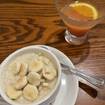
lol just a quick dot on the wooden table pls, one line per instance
(30, 22)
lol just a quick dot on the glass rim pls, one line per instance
(98, 20)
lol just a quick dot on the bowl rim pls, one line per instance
(6, 60)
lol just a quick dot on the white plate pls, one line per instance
(69, 83)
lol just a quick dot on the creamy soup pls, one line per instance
(29, 77)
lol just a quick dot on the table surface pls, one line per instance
(30, 22)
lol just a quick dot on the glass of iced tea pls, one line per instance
(79, 17)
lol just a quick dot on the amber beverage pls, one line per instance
(73, 27)
(80, 16)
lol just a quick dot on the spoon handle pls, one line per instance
(98, 82)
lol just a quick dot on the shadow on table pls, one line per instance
(79, 53)
(89, 90)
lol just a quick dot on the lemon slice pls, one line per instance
(85, 9)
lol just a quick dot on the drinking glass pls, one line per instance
(77, 28)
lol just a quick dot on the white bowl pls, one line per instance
(22, 51)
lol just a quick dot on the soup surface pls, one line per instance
(29, 77)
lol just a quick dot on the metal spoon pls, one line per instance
(98, 82)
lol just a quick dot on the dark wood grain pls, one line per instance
(30, 22)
